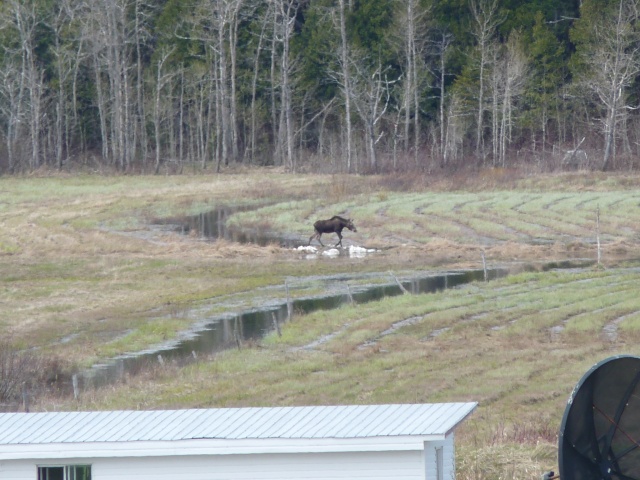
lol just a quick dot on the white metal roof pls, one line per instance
(298, 423)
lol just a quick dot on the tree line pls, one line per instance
(325, 85)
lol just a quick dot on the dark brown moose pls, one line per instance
(334, 225)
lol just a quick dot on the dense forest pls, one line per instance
(326, 85)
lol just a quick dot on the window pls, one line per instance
(65, 472)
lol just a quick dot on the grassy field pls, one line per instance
(84, 278)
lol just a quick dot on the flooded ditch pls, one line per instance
(235, 329)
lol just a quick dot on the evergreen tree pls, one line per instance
(547, 77)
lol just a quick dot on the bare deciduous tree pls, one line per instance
(370, 97)
(162, 79)
(613, 59)
(346, 78)
(410, 31)
(509, 75)
(486, 19)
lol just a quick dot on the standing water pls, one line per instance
(226, 331)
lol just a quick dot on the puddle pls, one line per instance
(212, 225)
(233, 330)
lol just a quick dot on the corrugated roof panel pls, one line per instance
(332, 422)
(171, 424)
(190, 425)
(319, 424)
(407, 418)
(352, 421)
(44, 427)
(262, 423)
(141, 425)
(278, 424)
(106, 427)
(381, 420)
(308, 419)
(245, 422)
(214, 421)
(455, 414)
(425, 419)
(147, 424)
(64, 428)
(237, 417)
(287, 422)
(11, 425)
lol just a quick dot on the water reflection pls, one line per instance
(213, 225)
(232, 331)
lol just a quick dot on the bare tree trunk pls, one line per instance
(102, 108)
(254, 86)
(484, 14)
(11, 106)
(181, 117)
(66, 66)
(161, 81)
(25, 20)
(344, 55)
(273, 87)
(445, 41)
(139, 131)
(233, 41)
(410, 65)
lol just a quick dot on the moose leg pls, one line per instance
(316, 235)
(339, 239)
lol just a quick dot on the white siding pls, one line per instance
(321, 466)
(18, 470)
(448, 457)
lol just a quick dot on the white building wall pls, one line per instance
(401, 465)
(18, 470)
(448, 459)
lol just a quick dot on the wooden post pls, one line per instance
(276, 325)
(25, 398)
(289, 304)
(236, 332)
(404, 290)
(74, 381)
(484, 267)
(349, 293)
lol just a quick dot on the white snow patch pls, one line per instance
(359, 252)
(307, 249)
(352, 250)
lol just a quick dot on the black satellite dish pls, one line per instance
(600, 431)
